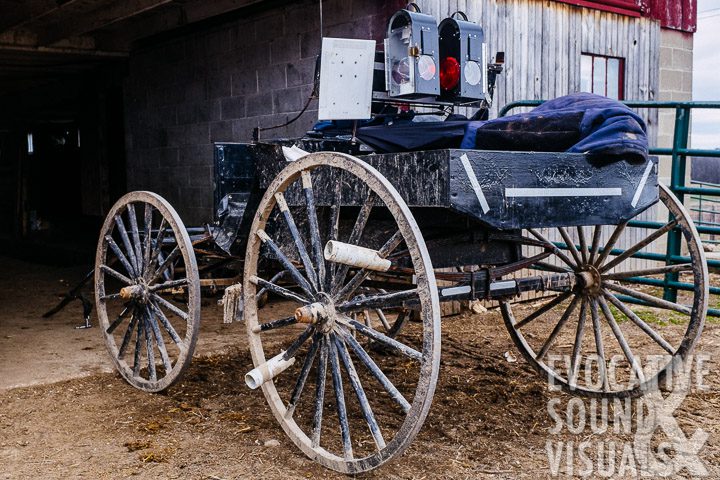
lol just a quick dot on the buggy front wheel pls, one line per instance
(366, 404)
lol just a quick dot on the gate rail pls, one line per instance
(679, 153)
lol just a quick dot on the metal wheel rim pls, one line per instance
(690, 337)
(431, 312)
(193, 288)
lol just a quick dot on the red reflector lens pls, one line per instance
(449, 73)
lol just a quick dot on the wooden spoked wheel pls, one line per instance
(613, 334)
(147, 291)
(346, 405)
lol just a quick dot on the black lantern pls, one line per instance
(411, 55)
(463, 63)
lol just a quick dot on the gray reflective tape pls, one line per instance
(474, 182)
(502, 285)
(563, 192)
(446, 292)
(641, 185)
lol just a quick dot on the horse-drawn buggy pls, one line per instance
(347, 254)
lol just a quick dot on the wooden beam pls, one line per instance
(101, 17)
(177, 17)
(15, 13)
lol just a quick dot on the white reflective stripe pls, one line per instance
(474, 182)
(445, 292)
(563, 192)
(641, 185)
(501, 285)
(293, 153)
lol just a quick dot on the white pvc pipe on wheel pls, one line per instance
(267, 371)
(355, 256)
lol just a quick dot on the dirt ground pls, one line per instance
(65, 414)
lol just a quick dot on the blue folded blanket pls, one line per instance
(580, 123)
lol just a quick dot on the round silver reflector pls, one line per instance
(426, 67)
(473, 74)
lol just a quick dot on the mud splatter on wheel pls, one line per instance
(147, 291)
(366, 405)
(616, 299)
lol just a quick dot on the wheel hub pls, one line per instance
(320, 313)
(139, 292)
(590, 280)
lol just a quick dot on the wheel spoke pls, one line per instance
(118, 320)
(295, 346)
(639, 246)
(583, 244)
(577, 346)
(649, 299)
(169, 306)
(543, 266)
(683, 267)
(168, 326)
(540, 311)
(621, 339)
(181, 282)
(283, 322)
(149, 348)
(120, 256)
(340, 400)
(159, 341)
(314, 228)
(362, 274)
(302, 378)
(274, 279)
(399, 322)
(382, 300)
(287, 264)
(354, 238)
(359, 393)
(165, 264)
(116, 274)
(610, 243)
(570, 245)
(639, 322)
(299, 244)
(552, 247)
(597, 232)
(135, 237)
(156, 249)
(148, 236)
(320, 392)
(377, 372)
(561, 323)
(128, 335)
(128, 246)
(138, 345)
(111, 296)
(383, 319)
(384, 339)
(597, 330)
(333, 229)
(278, 290)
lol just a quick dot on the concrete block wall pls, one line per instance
(676, 60)
(218, 83)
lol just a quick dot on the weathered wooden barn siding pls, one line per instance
(543, 41)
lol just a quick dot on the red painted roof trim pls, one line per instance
(621, 7)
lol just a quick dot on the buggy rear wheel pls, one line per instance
(617, 311)
(377, 398)
(147, 291)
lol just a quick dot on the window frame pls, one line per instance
(621, 72)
